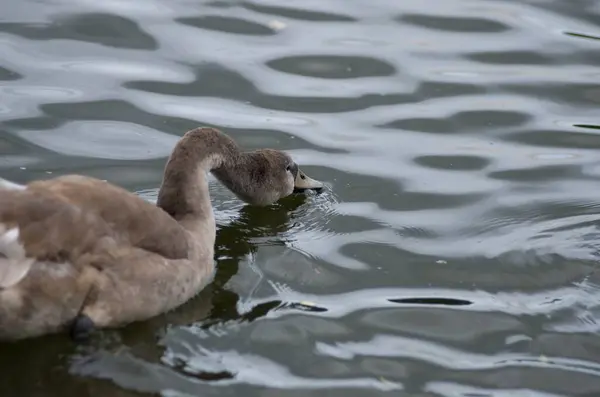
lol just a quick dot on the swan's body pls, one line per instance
(77, 252)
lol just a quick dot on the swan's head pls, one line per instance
(264, 176)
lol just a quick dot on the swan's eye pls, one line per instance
(288, 168)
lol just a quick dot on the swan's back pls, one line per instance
(60, 239)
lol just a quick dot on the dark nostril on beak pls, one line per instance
(303, 182)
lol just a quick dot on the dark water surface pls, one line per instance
(456, 253)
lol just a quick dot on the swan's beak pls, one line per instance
(303, 182)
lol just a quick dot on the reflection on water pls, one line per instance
(455, 250)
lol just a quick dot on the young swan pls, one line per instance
(78, 253)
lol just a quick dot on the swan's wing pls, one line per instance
(137, 222)
(66, 217)
(14, 264)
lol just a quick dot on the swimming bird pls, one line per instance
(78, 253)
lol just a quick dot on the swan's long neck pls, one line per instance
(184, 192)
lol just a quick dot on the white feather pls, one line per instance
(8, 185)
(14, 265)
(10, 246)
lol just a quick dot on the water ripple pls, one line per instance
(454, 250)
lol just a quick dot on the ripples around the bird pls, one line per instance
(455, 250)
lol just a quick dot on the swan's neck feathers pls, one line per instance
(184, 191)
(14, 265)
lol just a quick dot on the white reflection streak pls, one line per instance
(398, 346)
(447, 389)
(260, 371)
(514, 303)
